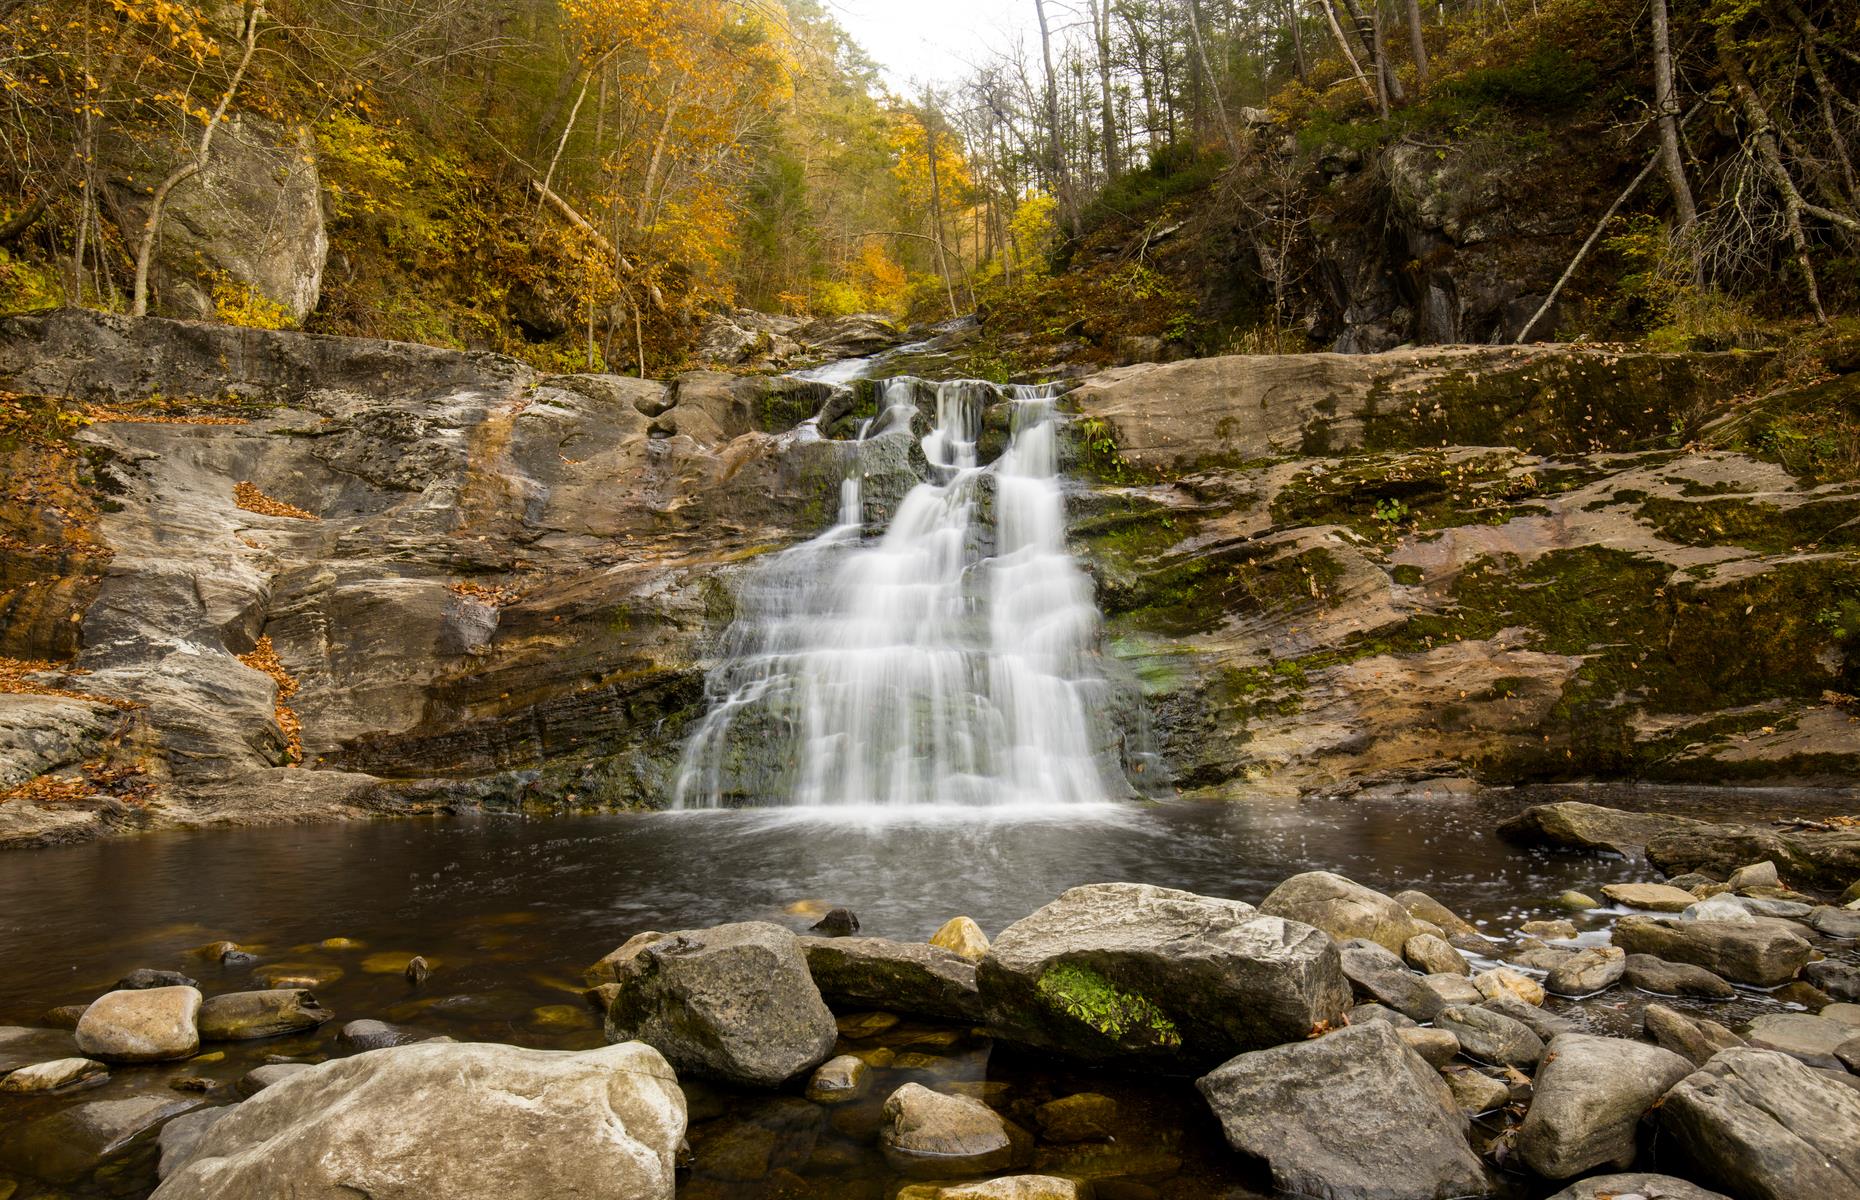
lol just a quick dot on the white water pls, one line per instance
(947, 662)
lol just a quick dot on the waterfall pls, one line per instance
(950, 660)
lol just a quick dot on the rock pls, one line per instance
(1840, 980)
(226, 954)
(259, 1078)
(1635, 1187)
(71, 1143)
(1008, 1187)
(1587, 827)
(375, 1035)
(1536, 956)
(1723, 907)
(1590, 1095)
(1812, 858)
(303, 976)
(1130, 971)
(490, 1122)
(50, 1076)
(1352, 1115)
(141, 1026)
(1758, 875)
(1379, 974)
(860, 1026)
(1490, 1036)
(1592, 970)
(1423, 907)
(181, 1136)
(1696, 1038)
(1765, 1127)
(1555, 931)
(1756, 955)
(1839, 923)
(65, 1016)
(1378, 1012)
(1501, 981)
(839, 1080)
(1342, 908)
(1577, 901)
(1453, 989)
(607, 970)
(839, 922)
(1085, 1117)
(857, 336)
(1437, 1046)
(144, 978)
(929, 1134)
(238, 1016)
(1474, 1091)
(1662, 978)
(1812, 1039)
(906, 977)
(1654, 897)
(1433, 956)
(734, 1003)
(24, 1047)
(963, 937)
(1540, 1021)
(418, 970)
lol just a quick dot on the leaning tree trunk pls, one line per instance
(1666, 103)
(1418, 42)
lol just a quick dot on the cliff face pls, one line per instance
(440, 578)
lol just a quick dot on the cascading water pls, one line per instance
(950, 661)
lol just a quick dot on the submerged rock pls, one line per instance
(1342, 908)
(1757, 955)
(1662, 978)
(73, 1142)
(1352, 1115)
(51, 1076)
(1589, 1096)
(1636, 1187)
(145, 978)
(1571, 825)
(1085, 1117)
(734, 1003)
(238, 1016)
(141, 1026)
(906, 977)
(1008, 1187)
(930, 1134)
(839, 1080)
(1765, 1127)
(1129, 971)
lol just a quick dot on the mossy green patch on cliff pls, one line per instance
(1813, 431)
(1198, 592)
(1429, 489)
(1827, 525)
(1088, 997)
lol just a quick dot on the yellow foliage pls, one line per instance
(1035, 231)
(237, 303)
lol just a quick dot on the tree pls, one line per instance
(1666, 105)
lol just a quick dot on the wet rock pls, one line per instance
(906, 977)
(1587, 827)
(1008, 1187)
(1378, 1012)
(1502, 981)
(1085, 1117)
(145, 978)
(1473, 1090)
(839, 1080)
(963, 937)
(1577, 901)
(930, 1134)
(734, 1003)
(238, 1016)
(1342, 908)
(1592, 970)
(1590, 1094)
(1130, 971)
(1490, 1036)
(491, 1123)
(1840, 980)
(65, 1016)
(860, 1026)
(1742, 954)
(259, 1078)
(1376, 972)
(73, 1142)
(838, 923)
(607, 969)
(1453, 989)
(24, 1047)
(1424, 907)
(1812, 1039)
(51, 1076)
(1722, 907)
(1662, 978)
(1433, 956)
(141, 1026)
(1540, 1021)
(227, 954)
(1352, 1115)
(309, 976)
(1839, 923)
(375, 1035)
(1757, 875)
(1538, 957)
(1765, 1127)
(1828, 859)
(1437, 1046)
(1653, 897)
(1635, 1187)
(1564, 931)
(1696, 1038)
(418, 970)
(181, 1136)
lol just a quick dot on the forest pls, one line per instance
(580, 182)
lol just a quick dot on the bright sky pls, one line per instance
(935, 41)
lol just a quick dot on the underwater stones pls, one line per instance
(1652, 897)
(1663, 978)
(375, 1035)
(1433, 956)
(1760, 955)
(838, 923)
(928, 1134)
(141, 1026)
(1591, 970)
(1130, 971)
(1085, 1117)
(961, 936)
(1380, 975)
(51, 1076)
(1763, 1126)
(490, 1122)
(906, 977)
(1571, 825)
(1353, 1115)
(1635, 1187)
(1589, 1096)
(1342, 908)
(69, 1144)
(734, 1003)
(1812, 1039)
(1696, 1038)
(1491, 1037)
(839, 1080)
(238, 1016)
(144, 979)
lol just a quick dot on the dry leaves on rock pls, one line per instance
(264, 659)
(17, 678)
(496, 597)
(252, 500)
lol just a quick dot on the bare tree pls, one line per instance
(1666, 104)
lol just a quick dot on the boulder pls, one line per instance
(181, 1136)
(839, 1080)
(1423, 907)
(734, 1003)
(51, 1076)
(905, 977)
(473, 1122)
(1842, 923)
(1085, 1117)
(929, 1134)
(1453, 989)
(1840, 980)
(1662, 978)
(141, 1026)
(963, 937)
(856, 336)
(1431, 955)
(1812, 1039)
(1696, 1038)
(1555, 931)
(1812, 858)
(1577, 901)
(143, 979)
(1756, 955)
(1571, 825)
(1635, 1187)
(240, 1016)
(1765, 1127)
(71, 1143)
(1353, 1115)
(1757, 875)
(1473, 1090)
(607, 969)
(1653, 897)
(838, 923)
(1342, 908)
(1591, 970)
(1437, 1046)
(1590, 1094)
(1503, 981)
(1720, 906)
(376, 1035)
(1376, 972)
(1540, 1021)
(1130, 971)
(1360, 1013)
(1490, 1036)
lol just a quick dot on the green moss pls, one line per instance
(1381, 495)
(1086, 996)
(1407, 575)
(1767, 528)
(1199, 592)
(1814, 432)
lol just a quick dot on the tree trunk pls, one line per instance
(927, 115)
(1056, 158)
(1349, 56)
(1418, 42)
(1107, 112)
(1666, 103)
(1214, 85)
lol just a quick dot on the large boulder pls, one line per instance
(1816, 858)
(734, 1003)
(152, 1025)
(1635, 1187)
(71, 1143)
(1491, 1036)
(1756, 954)
(1804, 1036)
(1342, 908)
(1590, 1094)
(906, 977)
(1353, 1115)
(1129, 971)
(1765, 1127)
(1571, 825)
(239, 1016)
(1377, 973)
(467, 1122)
(855, 336)
(1662, 978)
(929, 1134)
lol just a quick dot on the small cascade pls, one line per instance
(951, 660)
